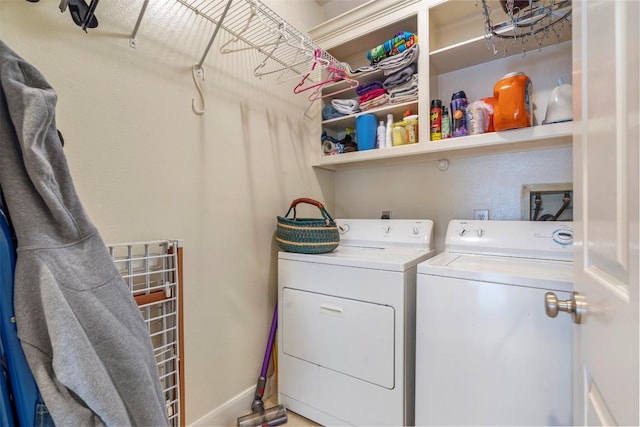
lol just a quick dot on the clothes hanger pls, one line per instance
(237, 37)
(308, 55)
(318, 59)
(282, 41)
(268, 56)
(335, 75)
(318, 94)
(287, 68)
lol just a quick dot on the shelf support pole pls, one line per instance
(215, 32)
(132, 39)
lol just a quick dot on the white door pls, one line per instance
(606, 181)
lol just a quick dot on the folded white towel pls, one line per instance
(346, 106)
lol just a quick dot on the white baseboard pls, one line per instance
(227, 414)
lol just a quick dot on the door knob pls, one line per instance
(576, 306)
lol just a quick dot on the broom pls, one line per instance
(260, 416)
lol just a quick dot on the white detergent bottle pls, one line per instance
(382, 136)
(388, 139)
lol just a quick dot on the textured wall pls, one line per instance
(146, 167)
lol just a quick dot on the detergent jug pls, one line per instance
(512, 102)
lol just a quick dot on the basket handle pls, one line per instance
(307, 200)
(315, 203)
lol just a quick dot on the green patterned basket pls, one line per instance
(307, 235)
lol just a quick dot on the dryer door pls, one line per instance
(352, 337)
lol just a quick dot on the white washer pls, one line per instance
(486, 352)
(346, 333)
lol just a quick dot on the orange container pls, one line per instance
(512, 95)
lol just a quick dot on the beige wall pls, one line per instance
(421, 190)
(146, 167)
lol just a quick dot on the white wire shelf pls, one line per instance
(250, 24)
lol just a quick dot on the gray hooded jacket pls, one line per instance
(81, 331)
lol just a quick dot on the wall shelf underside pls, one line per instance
(525, 139)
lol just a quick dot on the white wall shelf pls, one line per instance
(454, 56)
(524, 139)
(477, 51)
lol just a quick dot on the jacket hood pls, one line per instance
(34, 174)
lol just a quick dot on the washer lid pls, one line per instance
(534, 273)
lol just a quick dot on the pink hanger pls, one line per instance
(335, 75)
(317, 59)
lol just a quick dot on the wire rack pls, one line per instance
(150, 269)
(250, 24)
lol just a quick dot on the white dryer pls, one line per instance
(486, 353)
(346, 333)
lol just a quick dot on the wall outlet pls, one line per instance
(482, 214)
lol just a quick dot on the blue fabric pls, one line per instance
(6, 409)
(329, 112)
(23, 387)
(43, 417)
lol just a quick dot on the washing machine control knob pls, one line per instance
(480, 232)
(462, 232)
(415, 231)
(343, 228)
(387, 229)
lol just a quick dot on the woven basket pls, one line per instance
(307, 235)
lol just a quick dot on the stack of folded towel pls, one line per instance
(371, 95)
(398, 62)
(346, 106)
(402, 86)
(398, 44)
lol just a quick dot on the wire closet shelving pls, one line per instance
(252, 25)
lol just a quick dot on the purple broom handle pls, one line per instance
(272, 337)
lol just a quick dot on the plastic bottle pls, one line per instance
(382, 135)
(400, 133)
(436, 119)
(446, 124)
(412, 128)
(459, 114)
(513, 102)
(389, 140)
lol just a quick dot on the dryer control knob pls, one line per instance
(480, 232)
(415, 231)
(462, 232)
